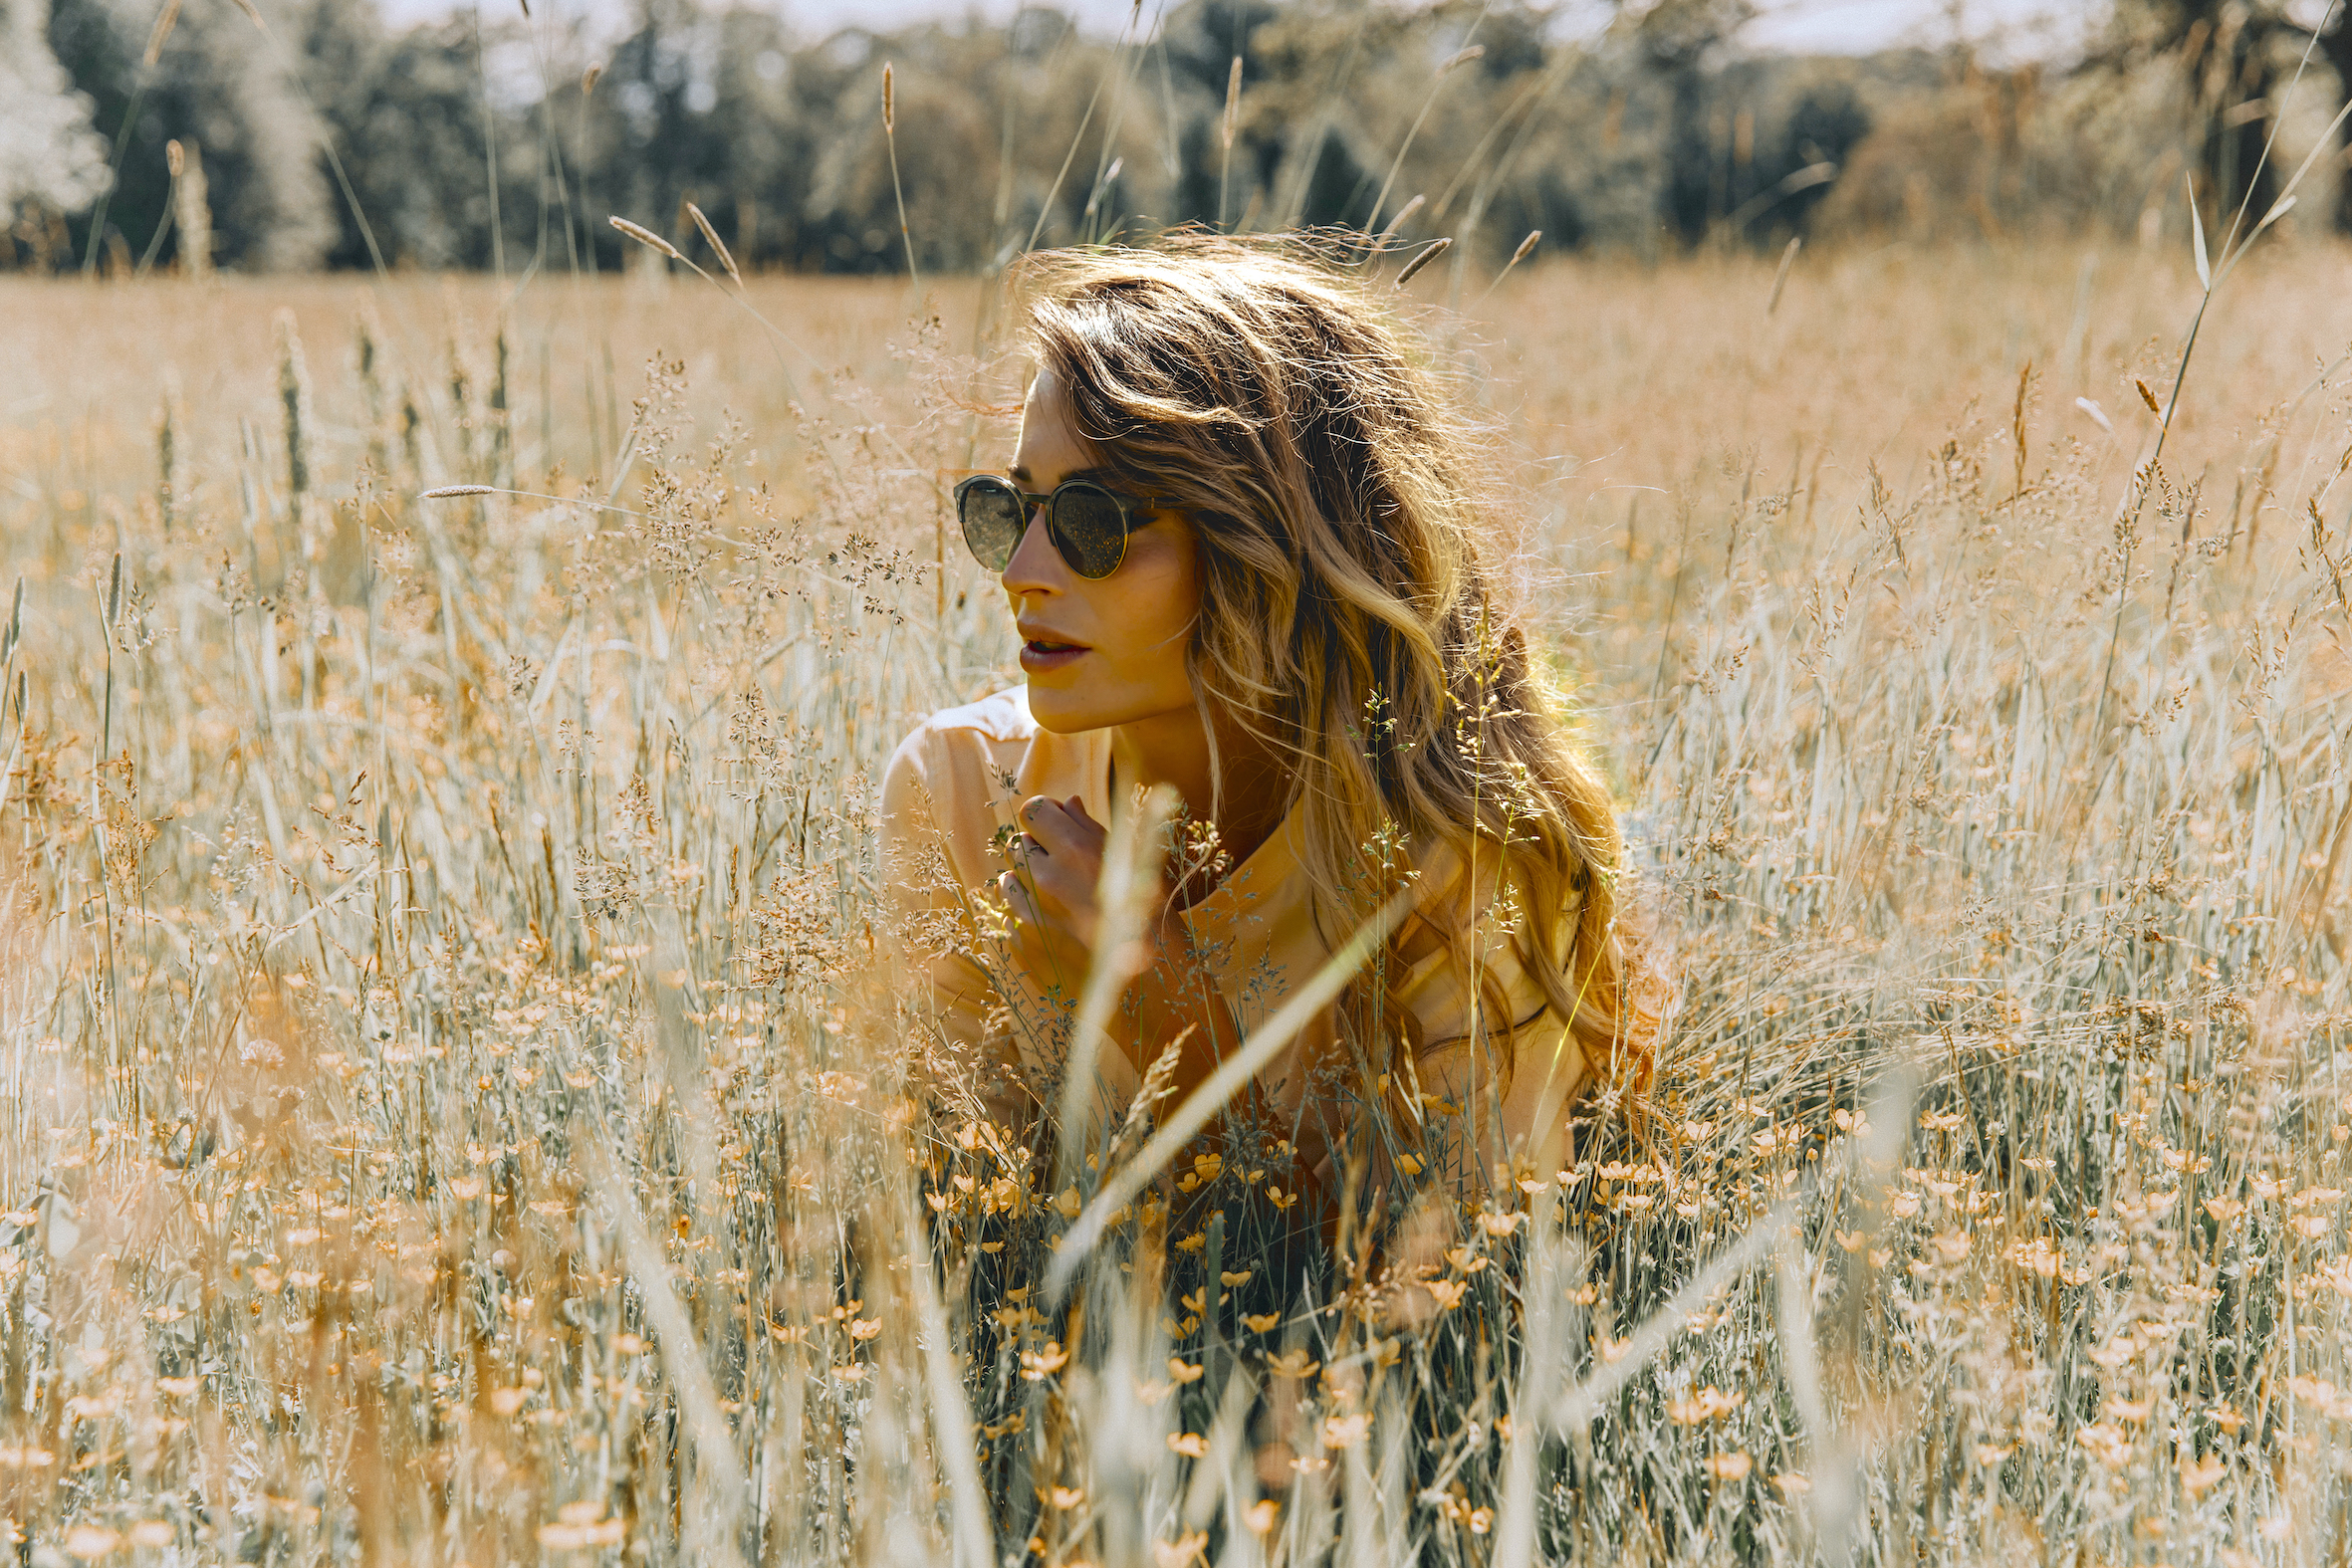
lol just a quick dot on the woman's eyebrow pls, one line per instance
(1020, 475)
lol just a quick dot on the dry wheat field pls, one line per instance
(452, 1109)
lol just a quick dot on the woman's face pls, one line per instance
(1106, 652)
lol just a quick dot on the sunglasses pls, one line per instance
(1088, 524)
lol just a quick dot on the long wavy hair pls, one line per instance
(1348, 615)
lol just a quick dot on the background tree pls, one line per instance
(2335, 47)
(219, 78)
(2227, 53)
(1678, 40)
(49, 157)
(507, 139)
(2234, 59)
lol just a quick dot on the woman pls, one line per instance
(1259, 584)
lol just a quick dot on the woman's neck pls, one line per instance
(1173, 749)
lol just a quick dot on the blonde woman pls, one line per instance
(1239, 541)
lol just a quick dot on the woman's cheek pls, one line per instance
(1167, 618)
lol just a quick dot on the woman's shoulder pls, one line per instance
(972, 763)
(1000, 716)
(997, 720)
(962, 761)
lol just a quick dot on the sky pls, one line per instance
(1799, 26)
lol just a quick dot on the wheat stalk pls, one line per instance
(897, 192)
(1422, 258)
(718, 247)
(1225, 133)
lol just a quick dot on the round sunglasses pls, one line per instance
(1088, 524)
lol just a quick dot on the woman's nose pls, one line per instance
(1035, 566)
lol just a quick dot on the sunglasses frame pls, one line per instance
(1031, 500)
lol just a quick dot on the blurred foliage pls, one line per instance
(328, 139)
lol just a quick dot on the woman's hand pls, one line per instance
(1057, 928)
(1050, 892)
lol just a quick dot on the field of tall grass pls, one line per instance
(453, 1108)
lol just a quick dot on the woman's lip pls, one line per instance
(1039, 660)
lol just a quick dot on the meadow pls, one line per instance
(455, 1110)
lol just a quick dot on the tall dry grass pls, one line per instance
(453, 1112)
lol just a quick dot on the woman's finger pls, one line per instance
(1035, 810)
(1021, 904)
(1077, 808)
(1063, 885)
(1082, 824)
(1061, 830)
(1055, 886)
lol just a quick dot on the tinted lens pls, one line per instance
(1089, 529)
(991, 512)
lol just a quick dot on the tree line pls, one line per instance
(277, 134)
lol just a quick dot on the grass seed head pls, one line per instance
(646, 236)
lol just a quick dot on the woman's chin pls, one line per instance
(1065, 713)
(1083, 705)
